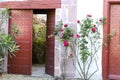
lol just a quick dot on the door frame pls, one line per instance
(49, 48)
(49, 66)
(106, 31)
(31, 5)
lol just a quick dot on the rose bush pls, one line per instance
(84, 45)
(88, 45)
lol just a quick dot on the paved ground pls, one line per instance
(26, 77)
(22, 77)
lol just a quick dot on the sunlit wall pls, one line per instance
(95, 8)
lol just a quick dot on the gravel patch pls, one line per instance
(21, 77)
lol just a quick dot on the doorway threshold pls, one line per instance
(39, 71)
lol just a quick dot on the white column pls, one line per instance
(5, 27)
(68, 14)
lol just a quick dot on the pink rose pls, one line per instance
(65, 25)
(78, 36)
(66, 44)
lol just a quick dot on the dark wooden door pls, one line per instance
(49, 65)
(21, 64)
(114, 49)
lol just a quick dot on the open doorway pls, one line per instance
(23, 63)
(47, 19)
(39, 44)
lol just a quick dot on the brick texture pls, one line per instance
(21, 64)
(49, 67)
(32, 4)
(110, 54)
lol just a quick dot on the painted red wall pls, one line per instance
(21, 64)
(32, 4)
(22, 13)
(108, 63)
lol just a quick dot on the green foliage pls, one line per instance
(7, 41)
(64, 33)
(88, 37)
(4, 15)
(88, 45)
(39, 41)
(108, 38)
(67, 33)
(67, 36)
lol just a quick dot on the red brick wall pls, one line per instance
(21, 64)
(109, 54)
(21, 13)
(49, 66)
(32, 4)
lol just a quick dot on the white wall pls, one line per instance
(84, 7)
(95, 8)
(68, 14)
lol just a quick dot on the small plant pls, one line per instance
(7, 41)
(88, 46)
(84, 45)
(39, 40)
(65, 34)
(67, 37)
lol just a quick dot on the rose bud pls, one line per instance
(78, 21)
(93, 29)
(65, 25)
(89, 15)
(78, 36)
(100, 20)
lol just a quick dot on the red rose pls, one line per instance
(93, 29)
(89, 15)
(65, 25)
(66, 44)
(78, 36)
(78, 21)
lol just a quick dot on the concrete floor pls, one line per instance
(39, 70)
(38, 73)
(22, 77)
